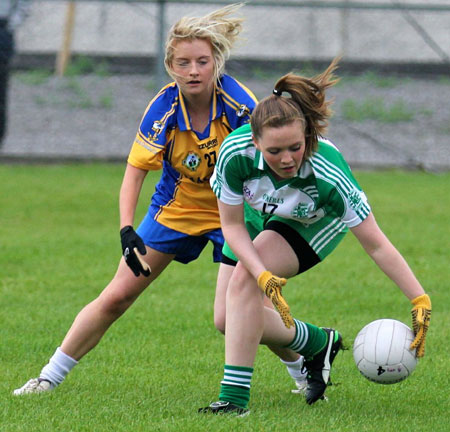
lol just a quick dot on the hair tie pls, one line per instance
(277, 92)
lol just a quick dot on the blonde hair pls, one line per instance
(306, 103)
(216, 27)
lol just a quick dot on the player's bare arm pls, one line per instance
(236, 234)
(387, 257)
(129, 193)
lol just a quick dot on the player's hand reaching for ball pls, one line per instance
(132, 248)
(421, 314)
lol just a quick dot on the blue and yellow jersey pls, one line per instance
(166, 140)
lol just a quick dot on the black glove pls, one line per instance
(132, 248)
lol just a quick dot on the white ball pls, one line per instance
(381, 351)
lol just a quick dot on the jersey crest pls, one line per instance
(192, 161)
(301, 211)
(243, 111)
(157, 128)
(354, 198)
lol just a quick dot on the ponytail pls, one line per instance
(306, 103)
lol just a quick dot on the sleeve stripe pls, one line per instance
(340, 177)
(162, 91)
(326, 234)
(230, 146)
(228, 99)
(163, 122)
(150, 143)
(230, 104)
(341, 181)
(248, 91)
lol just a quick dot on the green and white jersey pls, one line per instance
(323, 199)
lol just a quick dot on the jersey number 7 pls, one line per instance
(269, 208)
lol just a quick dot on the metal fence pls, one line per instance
(94, 116)
(384, 31)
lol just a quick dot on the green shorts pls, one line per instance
(317, 239)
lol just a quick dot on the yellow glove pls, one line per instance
(271, 285)
(421, 314)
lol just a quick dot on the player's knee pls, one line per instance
(240, 280)
(116, 304)
(219, 322)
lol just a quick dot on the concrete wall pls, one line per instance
(131, 29)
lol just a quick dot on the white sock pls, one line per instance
(58, 367)
(295, 368)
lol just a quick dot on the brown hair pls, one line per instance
(306, 103)
(217, 28)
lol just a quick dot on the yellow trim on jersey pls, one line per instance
(192, 208)
(150, 143)
(248, 91)
(166, 139)
(184, 111)
(161, 208)
(231, 101)
(172, 84)
(214, 105)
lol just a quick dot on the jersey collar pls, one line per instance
(305, 169)
(183, 118)
(259, 163)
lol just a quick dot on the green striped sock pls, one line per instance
(308, 340)
(235, 386)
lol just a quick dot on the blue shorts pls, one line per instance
(185, 247)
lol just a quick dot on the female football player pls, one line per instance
(181, 132)
(286, 199)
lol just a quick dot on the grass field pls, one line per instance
(163, 359)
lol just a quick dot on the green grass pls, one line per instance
(163, 359)
(82, 65)
(375, 109)
(34, 77)
(377, 80)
